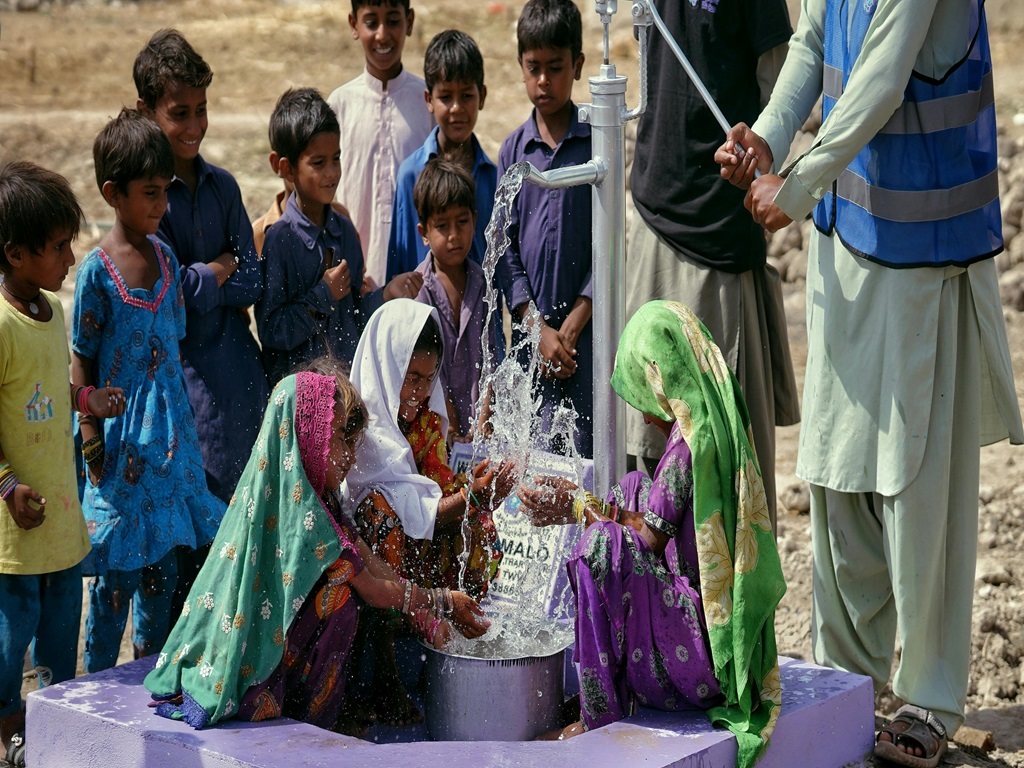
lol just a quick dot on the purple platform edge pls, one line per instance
(104, 720)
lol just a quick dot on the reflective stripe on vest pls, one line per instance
(957, 111)
(925, 190)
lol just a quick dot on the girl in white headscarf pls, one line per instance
(428, 524)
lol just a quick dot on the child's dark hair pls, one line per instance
(168, 57)
(550, 24)
(131, 146)
(441, 185)
(299, 115)
(453, 56)
(357, 4)
(429, 339)
(34, 204)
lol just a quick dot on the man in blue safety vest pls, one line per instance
(908, 367)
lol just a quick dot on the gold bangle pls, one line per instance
(585, 501)
(579, 506)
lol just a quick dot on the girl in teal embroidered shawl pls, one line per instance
(269, 622)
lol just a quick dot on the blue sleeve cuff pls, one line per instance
(320, 298)
(200, 289)
(519, 293)
(587, 292)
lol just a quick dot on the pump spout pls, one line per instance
(590, 172)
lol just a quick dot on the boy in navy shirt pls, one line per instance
(312, 254)
(549, 259)
(209, 231)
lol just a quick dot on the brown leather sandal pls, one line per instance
(913, 728)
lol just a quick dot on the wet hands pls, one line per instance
(339, 280)
(557, 353)
(489, 486)
(548, 500)
(468, 617)
(404, 286)
(26, 507)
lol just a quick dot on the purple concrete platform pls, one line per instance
(102, 720)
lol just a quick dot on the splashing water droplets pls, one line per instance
(523, 627)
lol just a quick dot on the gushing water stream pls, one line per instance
(522, 627)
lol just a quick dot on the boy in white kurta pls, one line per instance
(384, 119)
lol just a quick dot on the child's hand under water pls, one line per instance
(492, 486)
(468, 617)
(548, 500)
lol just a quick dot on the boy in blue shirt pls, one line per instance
(454, 73)
(549, 259)
(312, 304)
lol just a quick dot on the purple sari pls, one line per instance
(640, 630)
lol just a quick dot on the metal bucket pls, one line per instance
(469, 699)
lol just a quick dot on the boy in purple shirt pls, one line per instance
(445, 199)
(548, 260)
(454, 72)
(209, 231)
(312, 254)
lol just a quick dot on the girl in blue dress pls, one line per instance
(145, 491)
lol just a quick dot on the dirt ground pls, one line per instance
(67, 67)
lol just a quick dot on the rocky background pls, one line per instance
(66, 67)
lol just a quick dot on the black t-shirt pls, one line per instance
(675, 180)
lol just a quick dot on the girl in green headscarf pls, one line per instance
(270, 620)
(677, 579)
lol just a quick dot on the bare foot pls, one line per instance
(355, 718)
(884, 736)
(561, 734)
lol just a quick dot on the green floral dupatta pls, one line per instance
(668, 366)
(275, 541)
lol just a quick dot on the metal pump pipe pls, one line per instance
(590, 172)
(606, 115)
